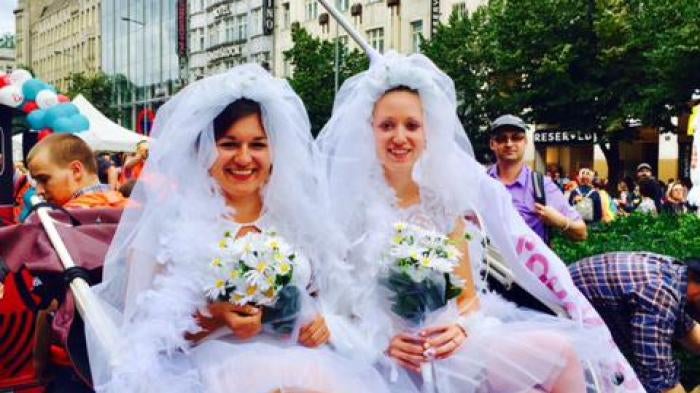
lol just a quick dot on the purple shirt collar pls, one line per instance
(521, 180)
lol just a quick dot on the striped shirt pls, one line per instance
(642, 298)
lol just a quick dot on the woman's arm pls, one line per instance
(468, 300)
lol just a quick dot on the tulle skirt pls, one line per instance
(509, 350)
(267, 365)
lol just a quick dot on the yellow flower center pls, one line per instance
(251, 290)
(284, 268)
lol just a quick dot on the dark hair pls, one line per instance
(693, 269)
(401, 88)
(648, 188)
(233, 112)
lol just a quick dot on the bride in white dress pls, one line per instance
(396, 152)
(232, 155)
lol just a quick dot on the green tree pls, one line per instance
(455, 50)
(579, 64)
(97, 88)
(313, 79)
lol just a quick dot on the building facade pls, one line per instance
(141, 55)
(386, 24)
(7, 53)
(56, 38)
(224, 33)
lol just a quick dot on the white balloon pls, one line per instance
(46, 99)
(11, 96)
(19, 76)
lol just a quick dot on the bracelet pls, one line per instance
(566, 226)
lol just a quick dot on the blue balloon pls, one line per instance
(81, 123)
(37, 119)
(59, 111)
(32, 87)
(63, 125)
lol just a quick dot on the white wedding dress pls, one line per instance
(270, 363)
(507, 349)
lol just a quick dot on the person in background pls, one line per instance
(585, 199)
(65, 172)
(648, 189)
(133, 164)
(644, 171)
(648, 301)
(627, 199)
(508, 141)
(107, 171)
(676, 201)
(608, 207)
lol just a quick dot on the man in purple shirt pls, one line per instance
(508, 141)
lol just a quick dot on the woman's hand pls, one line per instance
(244, 321)
(442, 341)
(315, 333)
(408, 351)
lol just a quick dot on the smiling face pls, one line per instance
(398, 130)
(244, 160)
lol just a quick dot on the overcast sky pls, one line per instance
(7, 18)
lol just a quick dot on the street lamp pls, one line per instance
(128, 66)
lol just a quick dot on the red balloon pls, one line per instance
(4, 81)
(44, 133)
(62, 98)
(29, 107)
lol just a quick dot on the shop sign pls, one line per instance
(268, 9)
(225, 52)
(222, 12)
(564, 137)
(182, 28)
(434, 15)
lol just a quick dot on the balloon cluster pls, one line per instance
(46, 110)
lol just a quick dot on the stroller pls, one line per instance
(43, 344)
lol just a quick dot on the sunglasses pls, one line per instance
(503, 138)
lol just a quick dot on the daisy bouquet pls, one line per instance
(257, 269)
(420, 265)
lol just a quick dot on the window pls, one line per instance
(343, 39)
(376, 39)
(416, 32)
(230, 29)
(256, 21)
(285, 15)
(213, 36)
(242, 23)
(201, 38)
(311, 9)
(343, 5)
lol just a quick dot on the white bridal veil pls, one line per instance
(449, 174)
(152, 276)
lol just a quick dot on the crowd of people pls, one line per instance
(239, 161)
(645, 194)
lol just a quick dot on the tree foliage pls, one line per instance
(579, 64)
(97, 88)
(314, 77)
